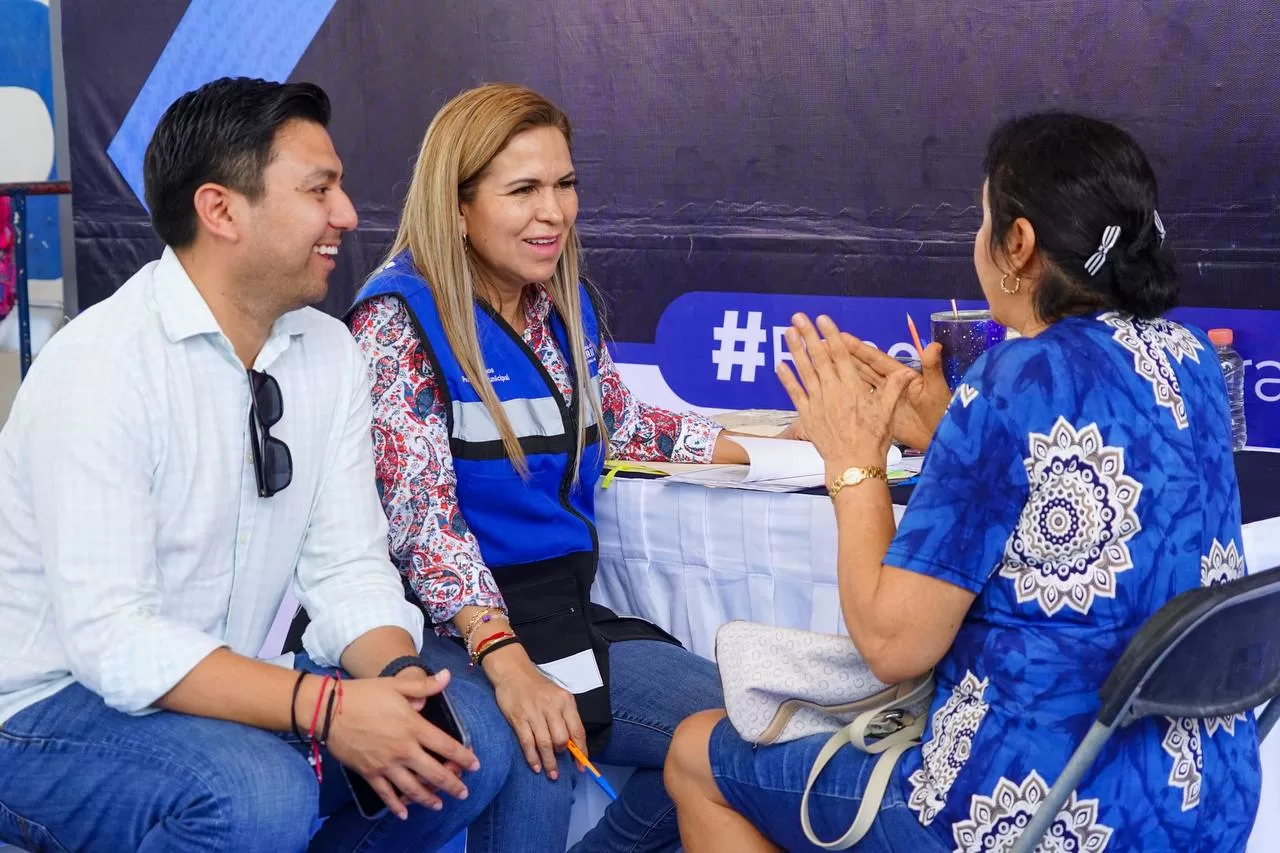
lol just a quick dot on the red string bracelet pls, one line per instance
(314, 760)
(336, 693)
(488, 642)
(487, 639)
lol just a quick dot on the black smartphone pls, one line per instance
(438, 712)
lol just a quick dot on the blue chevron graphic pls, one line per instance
(216, 38)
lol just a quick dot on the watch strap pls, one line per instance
(855, 475)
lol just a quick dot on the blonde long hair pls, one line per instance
(461, 141)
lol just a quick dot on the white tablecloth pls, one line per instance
(691, 558)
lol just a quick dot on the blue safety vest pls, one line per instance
(515, 520)
(537, 534)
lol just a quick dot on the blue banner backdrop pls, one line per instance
(720, 350)
(734, 152)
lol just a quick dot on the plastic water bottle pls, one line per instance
(1233, 371)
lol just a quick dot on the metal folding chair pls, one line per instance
(1207, 653)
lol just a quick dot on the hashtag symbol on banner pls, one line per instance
(728, 355)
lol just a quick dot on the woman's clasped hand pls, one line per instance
(852, 399)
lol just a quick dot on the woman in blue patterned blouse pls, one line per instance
(1079, 478)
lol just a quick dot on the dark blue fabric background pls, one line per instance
(821, 147)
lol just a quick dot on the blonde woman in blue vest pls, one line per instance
(495, 404)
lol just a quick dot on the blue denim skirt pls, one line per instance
(765, 785)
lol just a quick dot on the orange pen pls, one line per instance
(915, 336)
(584, 764)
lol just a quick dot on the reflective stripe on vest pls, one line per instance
(547, 512)
(528, 417)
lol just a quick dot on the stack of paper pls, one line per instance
(763, 422)
(777, 465)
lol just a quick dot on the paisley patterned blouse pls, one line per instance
(430, 541)
(1079, 480)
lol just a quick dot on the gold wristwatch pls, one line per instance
(853, 476)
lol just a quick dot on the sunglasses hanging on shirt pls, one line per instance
(272, 462)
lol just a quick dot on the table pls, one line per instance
(690, 558)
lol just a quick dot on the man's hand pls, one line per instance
(381, 735)
(413, 675)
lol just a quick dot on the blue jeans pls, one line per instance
(77, 775)
(652, 687)
(764, 784)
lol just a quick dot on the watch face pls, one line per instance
(854, 476)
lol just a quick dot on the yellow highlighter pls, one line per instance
(584, 764)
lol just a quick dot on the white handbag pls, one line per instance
(781, 684)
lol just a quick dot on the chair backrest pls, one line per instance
(1208, 652)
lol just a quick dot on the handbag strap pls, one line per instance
(870, 721)
(891, 748)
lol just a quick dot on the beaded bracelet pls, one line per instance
(484, 616)
(470, 636)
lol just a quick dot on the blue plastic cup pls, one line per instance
(965, 336)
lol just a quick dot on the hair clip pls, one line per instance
(1109, 236)
(1159, 225)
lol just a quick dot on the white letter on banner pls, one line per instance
(1257, 389)
(780, 353)
(727, 356)
(900, 349)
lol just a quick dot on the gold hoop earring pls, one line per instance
(1017, 284)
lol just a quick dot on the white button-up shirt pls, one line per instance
(132, 539)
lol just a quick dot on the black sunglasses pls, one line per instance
(272, 462)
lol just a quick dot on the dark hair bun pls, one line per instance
(1143, 278)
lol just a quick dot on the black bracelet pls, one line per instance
(328, 715)
(293, 706)
(490, 649)
(402, 663)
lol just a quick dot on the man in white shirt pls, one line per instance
(177, 456)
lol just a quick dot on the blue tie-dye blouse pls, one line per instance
(1079, 480)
